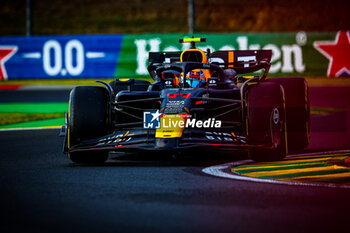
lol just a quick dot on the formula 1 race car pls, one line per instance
(198, 100)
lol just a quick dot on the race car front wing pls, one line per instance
(145, 140)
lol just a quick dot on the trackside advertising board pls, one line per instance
(59, 57)
(107, 56)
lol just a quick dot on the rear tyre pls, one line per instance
(266, 122)
(88, 114)
(296, 93)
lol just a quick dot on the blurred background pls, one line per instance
(88, 39)
(57, 17)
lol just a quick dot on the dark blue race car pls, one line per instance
(198, 100)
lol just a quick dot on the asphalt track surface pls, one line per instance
(42, 191)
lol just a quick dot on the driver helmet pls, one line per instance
(194, 77)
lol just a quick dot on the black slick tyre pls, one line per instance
(297, 111)
(88, 114)
(265, 120)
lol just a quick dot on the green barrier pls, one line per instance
(294, 54)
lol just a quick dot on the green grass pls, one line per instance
(311, 80)
(34, 107)
(36, 124)
(70, 82)
(31, 115)
(13, 118)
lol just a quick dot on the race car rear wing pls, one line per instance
(163, 57)
(242, 61)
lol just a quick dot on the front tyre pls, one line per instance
(88, 119)
(266, 122)
(297, 109)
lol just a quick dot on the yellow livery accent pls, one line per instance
(172, 126)
(68, 127)
(190, 54)
(189, 40)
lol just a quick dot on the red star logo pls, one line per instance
(6, 52)
(337, 52)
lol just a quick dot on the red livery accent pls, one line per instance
(175, 95)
